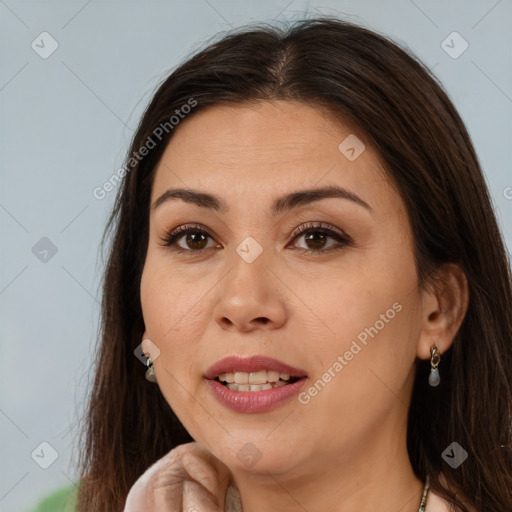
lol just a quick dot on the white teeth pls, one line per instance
(258, 377)
(254, 381)
(241, 377)
(260, 387)
(272, 376)
(255, 387)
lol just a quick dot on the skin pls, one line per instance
(346, 449)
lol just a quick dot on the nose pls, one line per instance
(251, 296)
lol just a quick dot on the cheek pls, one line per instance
(364, 377)
(173, 319)
(371, 317)
(170, 310)
(169, 301)
(356, 297)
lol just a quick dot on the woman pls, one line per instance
(305, 246)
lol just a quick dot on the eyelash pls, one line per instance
(171, 237)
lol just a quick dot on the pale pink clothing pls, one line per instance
(435, 503)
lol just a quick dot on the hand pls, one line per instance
(187, 479)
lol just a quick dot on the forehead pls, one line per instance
(265, 147)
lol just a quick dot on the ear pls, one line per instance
(444, 305)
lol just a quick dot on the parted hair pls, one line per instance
(379, 87)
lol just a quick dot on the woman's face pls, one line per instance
(346, 311)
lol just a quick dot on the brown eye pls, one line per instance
(316, 237)
(316, 240)
(194, 238)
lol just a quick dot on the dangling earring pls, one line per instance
(435, 356)
(150, 372)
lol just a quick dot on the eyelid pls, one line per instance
(171, 236)
(176, 233)
(317, 225)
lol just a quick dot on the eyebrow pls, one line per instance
(284, 203)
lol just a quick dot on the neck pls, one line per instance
(372, 474)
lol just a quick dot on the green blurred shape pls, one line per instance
(63, 500)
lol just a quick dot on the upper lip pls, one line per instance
(257, 363)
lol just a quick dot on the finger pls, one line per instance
(140, 496)
(167, 487)
(176, 489)
(188, 472)
(222, 474)
(197, 499)
(184, 475)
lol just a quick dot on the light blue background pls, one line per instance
(66, 122)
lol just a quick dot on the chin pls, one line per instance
(251, 459)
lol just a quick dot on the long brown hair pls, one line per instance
(383, 90)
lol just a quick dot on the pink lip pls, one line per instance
(254, 401)
(251, 364)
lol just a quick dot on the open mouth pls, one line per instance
(245, 382)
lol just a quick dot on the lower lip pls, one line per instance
(255, 401)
